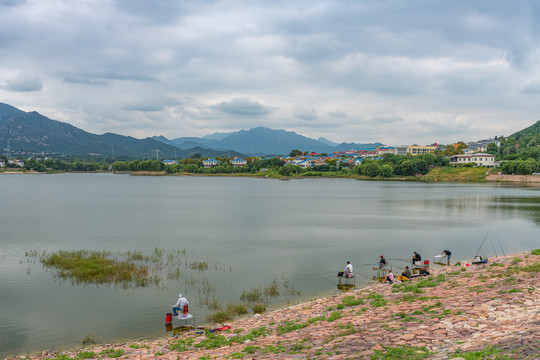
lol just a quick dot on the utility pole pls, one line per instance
(8, 149)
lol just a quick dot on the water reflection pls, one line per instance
(345, 287)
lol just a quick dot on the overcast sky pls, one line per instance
(398, 72)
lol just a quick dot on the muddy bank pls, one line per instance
(493, 308)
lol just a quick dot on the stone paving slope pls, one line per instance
(470, 308)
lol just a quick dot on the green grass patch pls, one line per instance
(491, 352)
(534, 268)
(212, 341)
(62, 357)
(181, 344)
(110, 352)
(275, 349)
(377, 300)
(288, 326)
(401, 353)
(512, 291)
(535, 252)
(449, 173)
(252, 335)
(86, 355)
(350, 300)
(251, 349)
(496, 264)
(315, 319)
(334, 316)
(429, 307)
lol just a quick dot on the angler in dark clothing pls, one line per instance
(382, 263)
(416, 258)
(407, 273)
(448, 255)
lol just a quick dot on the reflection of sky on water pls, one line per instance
(297, 232)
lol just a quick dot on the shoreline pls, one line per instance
(502, 178)
(456, 308)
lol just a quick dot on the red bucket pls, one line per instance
(168, 317)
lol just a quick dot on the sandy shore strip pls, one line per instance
(492, 308)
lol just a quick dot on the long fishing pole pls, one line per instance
(500, 245)
(482, 244)
(493, 247)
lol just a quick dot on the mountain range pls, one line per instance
(30, 133)
(263, 141)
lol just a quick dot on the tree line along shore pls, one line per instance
(426, 167)
(488, 311)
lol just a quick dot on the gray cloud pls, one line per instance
(304, 112)
(23, 83)
(362, 71)
(11, 3)
(76, 80)
(243, 107)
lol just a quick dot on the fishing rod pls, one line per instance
(493, 247)
(500, 245)
(482, 244)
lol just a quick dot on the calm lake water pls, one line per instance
(250, 231)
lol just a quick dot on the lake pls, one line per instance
(250, 232)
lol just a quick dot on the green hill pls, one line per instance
(532, 130)
(30, 133)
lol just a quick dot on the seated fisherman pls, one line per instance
(407, 273)
(348, 272)
(179, 306)
(389, 277)
(416, 258)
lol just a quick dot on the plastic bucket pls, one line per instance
(168, 317)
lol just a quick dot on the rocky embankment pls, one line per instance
(513, 178)
(493, 309)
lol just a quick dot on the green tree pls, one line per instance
(406, 168)
(295, 153)
(386, 171)
(289, 169)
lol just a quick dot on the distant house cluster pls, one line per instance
(12, 163)
(480, 146)
(474, 153)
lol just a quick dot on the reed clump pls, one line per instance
(220, 317)
(99, 267)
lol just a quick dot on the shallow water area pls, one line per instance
(249, 232)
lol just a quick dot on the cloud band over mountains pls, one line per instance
(390, 71)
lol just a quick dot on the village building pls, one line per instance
(309, 163)
(210, 162)
(238, 162)
(170, 162)
(415, 149)
(481, 159)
